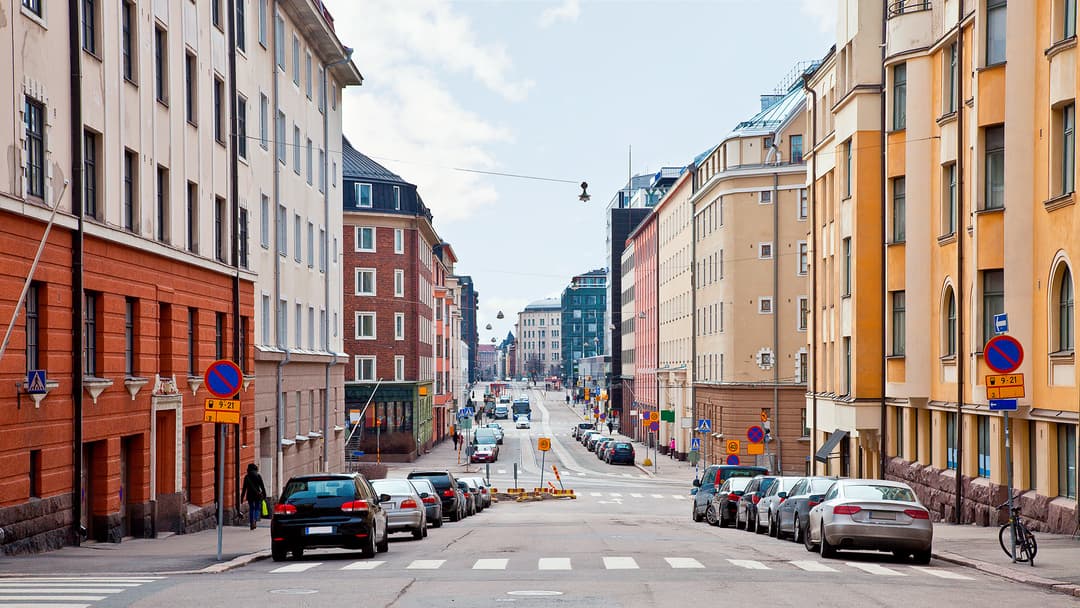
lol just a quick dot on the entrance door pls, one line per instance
(87, 490)
(125, 462)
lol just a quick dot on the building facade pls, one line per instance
(539, 349)
(470, 304)
(751, 264)
(622, 393)
(486, 363)
(646, 331)
(447, 328)
(583, 305)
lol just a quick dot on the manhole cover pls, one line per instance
(534, 592)
(294, 591)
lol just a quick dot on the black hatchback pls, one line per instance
(622, 452)
(328, 510)
(446, 484)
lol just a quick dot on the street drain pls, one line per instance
(534, 592)
(294, 591)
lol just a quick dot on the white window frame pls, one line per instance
(397, 197)
(399, 283)
(358, 282)
(357, 231)
(399, 240)
(761, 305)
(802, 207)
(399, 368)
(799, 326)
(356, 329)
(761, 251)
(765, 197)
(399, 326)
(358, 366)
(802, 252)
(357, 188)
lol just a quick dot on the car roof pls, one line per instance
(428, 473)
(873, 482)
(318, 476)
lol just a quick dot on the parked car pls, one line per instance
(328, 510)
(795, 511)
(405, 510)
(486, 437)
(746, 509)
(522, 422)
(581, 428)
(721, 508)
(599, 447)
(584, 438)
(871, 514)
(495, 426)
(710, 481)
(485, 489)
(430, 497)
(483, 453)
(622, 452)
(477, 492)
(470, 500)
(446, 484)
(608, 446)
(593, 440)
(769, 505)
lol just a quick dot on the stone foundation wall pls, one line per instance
(36, 526)
(936, 488)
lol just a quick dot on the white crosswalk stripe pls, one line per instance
(626, 475)
(678, 497)
(683, 562)
(635, 495)
(502, 471)
(364, 565)
(949, 574)
(595, 494)
(301, 567)
(65, 592)
(553, 563)
(875, 569)
(426, 564)
(490, 564)
(749, 564)
(657, 495)
(813, 566)
(614, 495)
(620, 563)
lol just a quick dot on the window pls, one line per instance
(950, 440)
(242, 362)
(804, 258)
(282, 146)
(34, 125)
(221, 236)
(1068, 149)
(365, 281)
(995, 31)
(322, 250)
(161, 64)
(363, 195)
(796, 148)
(34, 6)
(993, 289)
(765, 197)
(847, 365)
(215, 13)
(899, 97)
(282, 231)
(310, 171)
(262, 22)
(90, 333)
(90, 174)
(949, 200)
(951, 79)
(241, 122)
(804, 313)
(296, 60)
(298, 238)
(847, 168)
(365, 368)
(322, 90)
(322, 170)
(804, 207)
(162, 204)
(307, 75)
(127, 37)
(399, 283)
(847, 267)
(397, 197)
(297, 150)
(950, 323)
(365, 238)
(130, 167)
(299, 325)
(365, 326)
(804, 371)
(219, 335)
(399, 326)
(191, 219)
(311, 327)
(1066, 443)
(243, 237)
(191, 75)
(899, 424)
(241, 26)
(399, 240)
(283, 322)
(310, 245)
(765, 306)
(35, 455)
(1068, 24)
(765, 251)
(322, 329)
(899, 209)
(32, 310)
(899, 324)
(264, 119)
(1065, 312)
(264, 221)
(983, 423)
(399, 368)
(279, 40)
(89, 26)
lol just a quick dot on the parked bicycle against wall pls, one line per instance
(1026, 547)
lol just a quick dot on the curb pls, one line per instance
(236, 562)
(1009, 573)
(644, 470)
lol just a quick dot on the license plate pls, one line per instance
(320, 530)
(883, 515)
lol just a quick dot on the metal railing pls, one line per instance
(904, 7)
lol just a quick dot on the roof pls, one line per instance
(357, 165)
(773, 116)
(546, 303)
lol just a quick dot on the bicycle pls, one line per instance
(1026, 547)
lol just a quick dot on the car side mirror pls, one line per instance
(782, 494)
(693, 491)
(385, 498)
(697, 483)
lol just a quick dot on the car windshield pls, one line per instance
(299, 490)
(820, 486)
(766, 483)
(738, 484)
(438, 480)
(729, 473)
(392, 486)
(623, 446)
(878, 492)
(423, 485)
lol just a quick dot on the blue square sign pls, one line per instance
(1003, 405)
(1001, 323)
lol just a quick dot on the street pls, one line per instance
(627, 540)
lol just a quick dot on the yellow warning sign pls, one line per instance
(222, 411)
(755, 448)
(543, 444)
(732, 446)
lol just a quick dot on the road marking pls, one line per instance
(490, 564)
(47, 589)
(678, 497)
(626, 475)
(5, 583)
(49, 605)
(580, 474)
(683, 562)
(938, 572)
(875, 569)
(426, 564)
(813, 566)
(364, 565)
(502, 471)
(49, 598)
(643, 476)
(749, 564)
(620, 563)
(93, 579)
(553, 563)
(295, 567)
(614, 495)
(657, 495)
(595, 494)
(635, 496)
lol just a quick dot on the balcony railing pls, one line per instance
(904, 7)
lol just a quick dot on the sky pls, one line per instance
(563, 91)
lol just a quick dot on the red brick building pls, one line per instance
(646, 325)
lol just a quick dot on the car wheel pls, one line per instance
(418, 533)
(809, 544)
(279, 553)
(771, 530)
(795, 537)
(711, 517)
(298, 553)
(758, 528)
(922, 557)
(694, 515)
(751, 521)
(438, 522)
(384, 545)
(738, 522)
(456, 515)
(827, 550)
(368, 549)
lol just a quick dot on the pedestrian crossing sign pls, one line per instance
(704, 425)
(35, 382)
(695, 444)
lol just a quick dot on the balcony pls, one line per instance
(906, 7)
(910, 26)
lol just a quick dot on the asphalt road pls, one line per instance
(627, 541)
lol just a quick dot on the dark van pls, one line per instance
(446, 485)
(714, 477)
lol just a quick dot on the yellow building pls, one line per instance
(845, 389)
(981, 220)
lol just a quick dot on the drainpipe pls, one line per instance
(692, 373)
(884, 253)
(958, 292)
(811, 358)
(77, 312)
(234, 194)
(282, 335)
(280, 419)
(776, 302)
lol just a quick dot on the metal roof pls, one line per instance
(357, 165)
(545, 304)
(773, 116)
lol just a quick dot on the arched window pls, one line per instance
(1065, 311)
(949, 341)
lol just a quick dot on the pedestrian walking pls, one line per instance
(568, 400)
(254, 492)
(671, 448)
(455, 438)
(610, 427)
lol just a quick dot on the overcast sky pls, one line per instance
(560, 90)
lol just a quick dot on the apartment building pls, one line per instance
(447, 329)
(539, 339)
(622, 393)
(390, 279)
(470, 304)
(582, 326)
(646, 329)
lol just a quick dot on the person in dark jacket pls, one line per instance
(254, 492)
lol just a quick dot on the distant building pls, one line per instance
(583, 305)
(646, 395)
(470, 304)
(486, 362)
(539, 351)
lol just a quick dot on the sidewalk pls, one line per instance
(978, 547)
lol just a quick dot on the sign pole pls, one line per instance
(221, 487)
(543, 457)
(1009, 479)
(515, 476)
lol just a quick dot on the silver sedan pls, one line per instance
(871, 514)
(405, 510)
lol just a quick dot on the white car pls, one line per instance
(522, 423)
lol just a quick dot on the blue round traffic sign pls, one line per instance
(654, 426)
(733, 459)
(1003, 354)
(755, 434)
(223, 379)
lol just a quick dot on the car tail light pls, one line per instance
(916, 514)
(284, 509)
(483, 490)
(448, 493)
(813, 503)
(354, 506)
(755, 499)
(733, 496)
(408, 503)
(430, 500)
(782, 498)
(846, 510)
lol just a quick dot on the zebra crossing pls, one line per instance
(620, 495)
(621, 562)
(585, 474)
(65, 592)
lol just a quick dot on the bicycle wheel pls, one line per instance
(1026, 547)
(1004, 539)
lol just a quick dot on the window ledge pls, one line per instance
(1060, 45)
(900, 357)
(946, 118)
(984, 210)
(1060, 202)
(992, 66)
(946, 239)
(948, 359)
(892, 243)
(1063, 356)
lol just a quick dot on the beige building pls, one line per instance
(626, 327)
(539, 343)
(750, 273)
